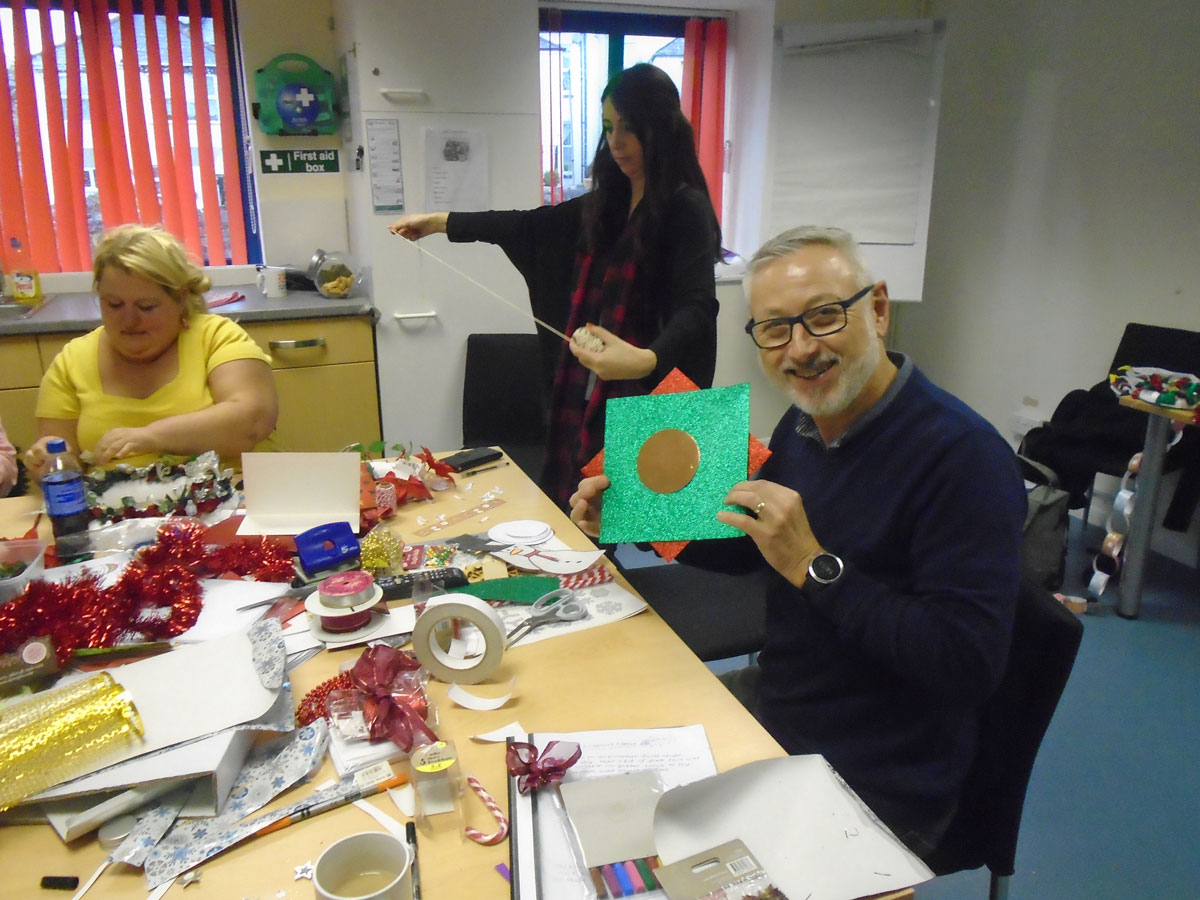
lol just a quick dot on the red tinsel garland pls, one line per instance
(158, 595)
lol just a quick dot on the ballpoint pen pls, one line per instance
(410, 837)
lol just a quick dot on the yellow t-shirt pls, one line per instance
(71, 387)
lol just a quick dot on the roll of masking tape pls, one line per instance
(454, 654)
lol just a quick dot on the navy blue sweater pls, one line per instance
(884, 672)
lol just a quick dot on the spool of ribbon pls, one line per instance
(392, 709)
(61, 732)
(385, 495)
(344, 602)
(534, 770)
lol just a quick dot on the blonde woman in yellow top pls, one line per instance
(161, 376)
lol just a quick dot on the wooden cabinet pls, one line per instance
(20, 374)
(325, 377)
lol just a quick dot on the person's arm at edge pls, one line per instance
(8, 463)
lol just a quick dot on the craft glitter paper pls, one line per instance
(719, 420)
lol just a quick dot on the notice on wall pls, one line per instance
(456, 170)
(383, 158)
(276, 162)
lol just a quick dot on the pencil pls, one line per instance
(308, 812)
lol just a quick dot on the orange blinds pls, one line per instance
(118, 117)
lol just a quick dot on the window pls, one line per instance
(580, 51)
(110, 116)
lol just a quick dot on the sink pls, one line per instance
(14, 311)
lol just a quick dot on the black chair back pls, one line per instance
(984, 831)
(1174, 349)
(503, 403)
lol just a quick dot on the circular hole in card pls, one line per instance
(668, 460)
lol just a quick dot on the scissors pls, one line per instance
(556, 606)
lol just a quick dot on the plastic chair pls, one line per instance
(503, 402)
(985, 828)
(717, 615)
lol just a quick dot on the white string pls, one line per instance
(522, 310)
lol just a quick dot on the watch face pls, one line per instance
(826, 567)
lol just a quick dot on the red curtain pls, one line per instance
(705, 43)
(154, 153)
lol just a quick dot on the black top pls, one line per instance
(675, 288)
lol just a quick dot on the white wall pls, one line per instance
(1066, 194)
(1066, 199)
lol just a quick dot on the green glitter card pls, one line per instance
(719, 421)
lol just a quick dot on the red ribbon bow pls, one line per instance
(533, 771)
(391, 705)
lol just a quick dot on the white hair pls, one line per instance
(805, 235)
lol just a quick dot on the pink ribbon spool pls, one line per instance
(344, 591)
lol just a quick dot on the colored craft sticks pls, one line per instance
(625, 879)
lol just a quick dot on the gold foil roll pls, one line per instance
(61, 733)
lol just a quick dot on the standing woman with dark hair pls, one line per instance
(632, 259)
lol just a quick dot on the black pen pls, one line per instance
(484, 469)
(410, 837)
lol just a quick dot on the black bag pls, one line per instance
(1044, 540)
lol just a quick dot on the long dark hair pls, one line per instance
(648, 102)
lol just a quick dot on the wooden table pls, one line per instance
(632, 674)
(1141, 526)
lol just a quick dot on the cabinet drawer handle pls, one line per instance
(432, 314)
(297, 345)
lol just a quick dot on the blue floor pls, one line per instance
(1113, 809)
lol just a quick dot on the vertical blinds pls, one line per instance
(119, 117)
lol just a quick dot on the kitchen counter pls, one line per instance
(74, 312)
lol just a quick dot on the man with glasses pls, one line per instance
(891, 514)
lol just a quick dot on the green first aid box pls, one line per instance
(295, 96)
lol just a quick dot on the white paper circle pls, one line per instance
(523, 531)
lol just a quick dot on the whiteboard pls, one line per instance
(854, 132)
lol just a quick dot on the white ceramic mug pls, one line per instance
(272, 281)
(371, 865)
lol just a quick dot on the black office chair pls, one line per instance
(718, 616)
(503, 400)
(1089, 433)
(984, 830)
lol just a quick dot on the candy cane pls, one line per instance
(501, 820)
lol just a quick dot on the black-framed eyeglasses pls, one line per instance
(820, 321)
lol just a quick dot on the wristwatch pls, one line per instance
(824, 570)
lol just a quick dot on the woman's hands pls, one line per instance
(585, 504)
(119, 443)
(618, 361)
(415, 226)
(781, 530)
